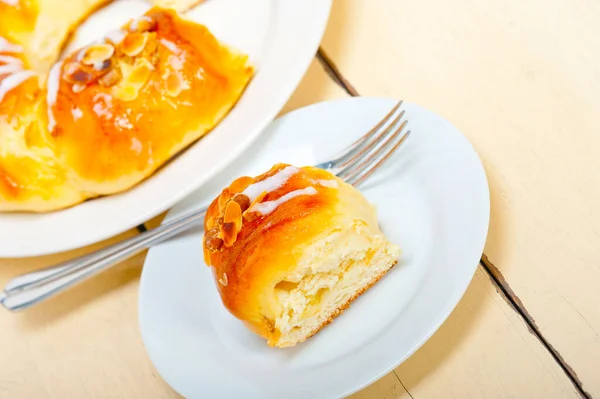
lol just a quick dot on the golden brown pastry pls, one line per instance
(291, 249)
(106, 116)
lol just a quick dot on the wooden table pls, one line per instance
(521, 79)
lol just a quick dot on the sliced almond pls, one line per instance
(241, 183)
(214, 244)
(97, 53)
(126, 93)
(224, 280)
(232, 223)
(242, 200)
(134, 43)
(75, 74)
(233, 213)
(223, 199)
(174, 84)
(141, 72)
(111, 78)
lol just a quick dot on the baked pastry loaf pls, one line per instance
(291, 249)
(107, 116)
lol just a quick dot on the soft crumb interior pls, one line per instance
(330, 274)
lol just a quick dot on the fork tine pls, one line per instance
(359, 144)
(374, 149)
(374, 167)
(361, 171)
(372, 143)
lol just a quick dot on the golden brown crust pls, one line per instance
(346, 305)
(112, 113)
(248, 257)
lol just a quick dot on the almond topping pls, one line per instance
(214, 244)
(233, 213)
(242, 200)
(141, 73)
(232, 223)
(174, 84)
(224, 198)
(224, 280)
(134, 43)
(240, 184)
(212, 241)
(97, 53)
(74, 74)
(111, 78)
(127, 93)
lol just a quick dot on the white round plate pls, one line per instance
(281, 38)
(432, 199)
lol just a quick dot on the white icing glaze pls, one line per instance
(270, 183)
(7, 59)
(116, 36)
(8, 47)
(12, 81)
(170, 45)
(10, 68)
(328, 183)
(52, 85)
(134, 24)
(269, 206)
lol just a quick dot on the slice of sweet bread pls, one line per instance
(291, 249)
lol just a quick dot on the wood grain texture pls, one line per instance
(86, 343)
(521, 80)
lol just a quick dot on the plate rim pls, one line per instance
(451, 301)
(320, 11)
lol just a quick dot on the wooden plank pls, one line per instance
(484, 350)
(521, 80)
(87, 342)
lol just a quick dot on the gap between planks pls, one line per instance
(495, 275)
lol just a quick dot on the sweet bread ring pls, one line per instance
(110, 114)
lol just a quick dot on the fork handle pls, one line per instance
(28, 289)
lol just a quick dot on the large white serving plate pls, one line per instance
(281, 38)
(432, 199)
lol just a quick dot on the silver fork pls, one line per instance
(354, 164)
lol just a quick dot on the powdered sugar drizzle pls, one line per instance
(52, 86)
(8, 47)
(12, 81)
(270, 183)
(8, 60)
(116, 36)
(10, 68)
(269, 206)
